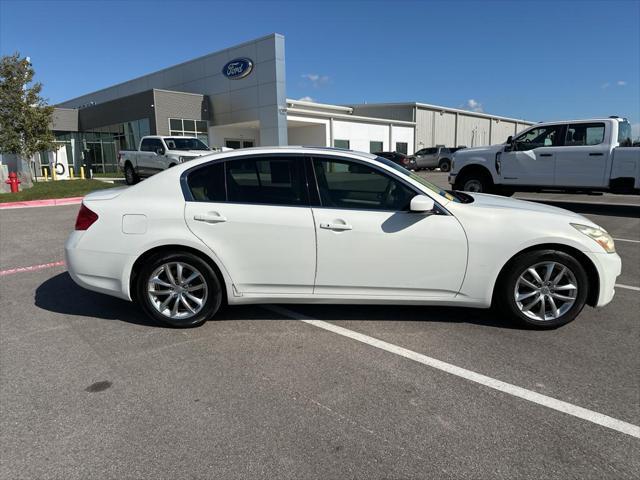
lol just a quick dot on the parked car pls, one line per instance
(317, 225)
(157, 153)
(578, 155)
(401, 159)
(435, 157)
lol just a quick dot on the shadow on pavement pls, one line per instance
(60, 294)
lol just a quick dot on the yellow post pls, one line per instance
(45, 171)
(71, 173)
(54, 176)
(82, 172)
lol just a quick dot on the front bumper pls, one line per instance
(609, 267)
(452, 178)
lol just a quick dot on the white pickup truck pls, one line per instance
(580, 155)
(157, 153)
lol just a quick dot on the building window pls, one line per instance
(189, 128)
(341, 144)
(375, 147)
(402, 147)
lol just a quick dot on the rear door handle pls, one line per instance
(596, 154)
(211, 217)
(336, 226)
(546, 154)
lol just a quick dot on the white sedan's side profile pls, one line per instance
(318, 225)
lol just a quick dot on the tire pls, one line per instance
(130, 175)
(477, 182)
(506, 191)
(445, 165)
(171, 165)
(513, 293)
(178, 307)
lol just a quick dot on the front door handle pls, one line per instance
(336, 226)
(211, 217)
(596, 154)
(546, 154)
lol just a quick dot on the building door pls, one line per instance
(238, 143)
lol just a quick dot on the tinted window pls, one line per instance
(624, 134)
(146, 145)
(375, 146)
(345, 184)
(185, 143)
(585, 134)
(272, 180)
(207, 184)
(402, 147)
(538, 137)
(342, 144)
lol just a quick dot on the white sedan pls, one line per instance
(317, 225)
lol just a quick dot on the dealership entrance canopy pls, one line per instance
(237, 98)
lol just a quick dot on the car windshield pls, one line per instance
(185, 144)
(419, 179)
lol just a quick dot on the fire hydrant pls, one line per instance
(14, 182)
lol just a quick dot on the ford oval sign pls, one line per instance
(237, 68)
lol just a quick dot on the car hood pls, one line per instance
(483, 200)
(479, 150)
(195, 153)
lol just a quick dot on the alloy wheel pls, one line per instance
(546, 291)
(472, 185)
(177, 290)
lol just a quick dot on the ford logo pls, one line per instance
(237, 68)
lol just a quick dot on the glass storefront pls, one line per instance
(190, 128)
(98, 149)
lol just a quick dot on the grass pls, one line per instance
(59, 189)
(117, 174)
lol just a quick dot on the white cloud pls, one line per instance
(621, 83)
(474, 105)
(316, 79)
(306, 98)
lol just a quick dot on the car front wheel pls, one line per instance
(179, 289)
(543, 289)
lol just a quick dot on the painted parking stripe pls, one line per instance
(628, 287)
(31, 268)
(626, 240)
(531, 396)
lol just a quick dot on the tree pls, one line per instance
(25, 117)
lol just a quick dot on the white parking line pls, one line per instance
(626, 240)
(628, 287)
(534, 397)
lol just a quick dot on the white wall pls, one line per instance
(402, 134)
(360, 134)
(217, 135)
(311, 136)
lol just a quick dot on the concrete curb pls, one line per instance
(51, 202)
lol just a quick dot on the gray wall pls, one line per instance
(118, 110)
(178, 105)
(392, 112)
(259, 96)
(65, 119)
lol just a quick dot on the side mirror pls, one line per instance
(509, 144)
(422, 203)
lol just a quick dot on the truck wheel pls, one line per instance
(172, 165)
(445, 165)
(477, 182)
(130, 175)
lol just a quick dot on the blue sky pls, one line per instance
(540, 60)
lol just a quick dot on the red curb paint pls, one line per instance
(32, 268)
(42, 203)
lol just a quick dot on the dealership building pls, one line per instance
(237, 98)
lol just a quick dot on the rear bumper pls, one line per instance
(97, 271)
(609, 267)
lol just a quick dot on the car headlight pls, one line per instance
(599, 235)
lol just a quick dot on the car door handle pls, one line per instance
(213, 217)
(336, 226)
(546, 154)
(596, 154)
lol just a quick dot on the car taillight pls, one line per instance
(85, 218)
(405, 161)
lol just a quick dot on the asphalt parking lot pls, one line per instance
(91, 389)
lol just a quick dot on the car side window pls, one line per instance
(548, 136)
(267, 180)
(585, 134)
(207, 183)
(345, 184)
(146, 145)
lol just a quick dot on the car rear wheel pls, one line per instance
(445, 165)
(179, 289)
(543, 289)
(130, 176)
